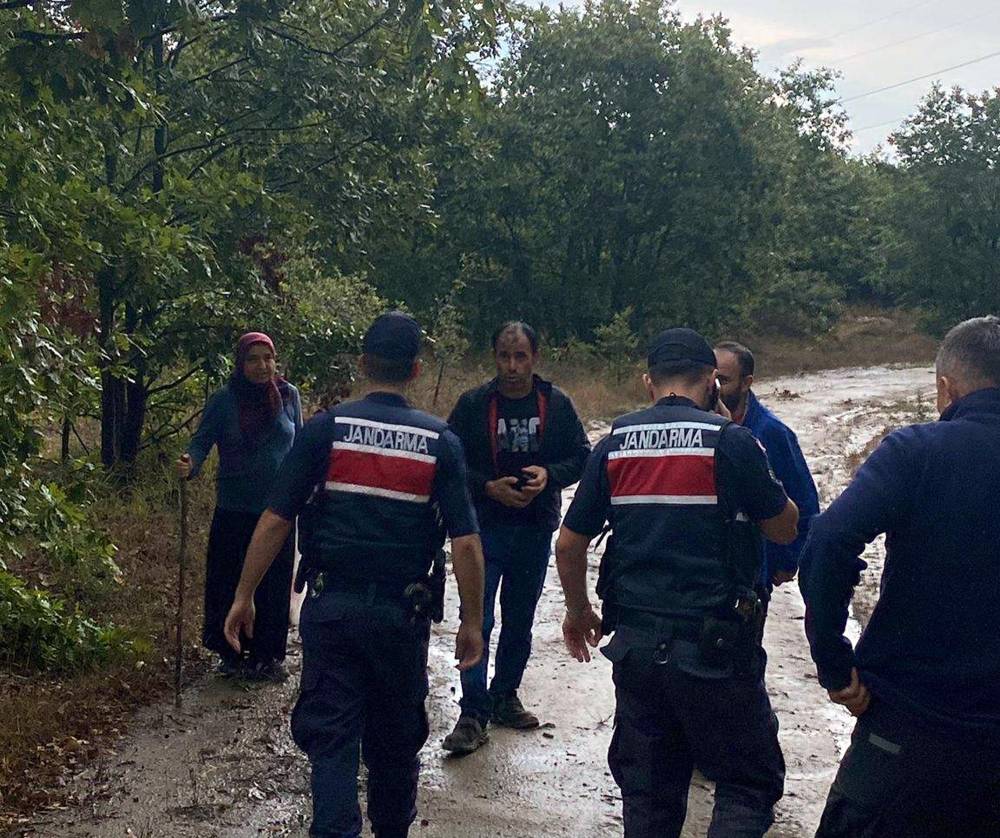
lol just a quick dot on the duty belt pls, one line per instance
(367, 590)
(664, 627)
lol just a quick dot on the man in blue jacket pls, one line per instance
(924, 678)
(735, 375)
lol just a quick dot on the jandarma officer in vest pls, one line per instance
(375, 481)
(687, 494)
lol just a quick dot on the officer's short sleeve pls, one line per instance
(754, 488)
(304, 466)
(588, 512)
(451, 489)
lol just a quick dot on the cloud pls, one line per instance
(797, 45)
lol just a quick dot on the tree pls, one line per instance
(941, 238)
(616, 343)
(448, 333)
(620, 156)
(202, 144)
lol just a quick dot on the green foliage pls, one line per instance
(319, 325)
(616, 343)
(81, 557)
(448, 334)
(41, 632)
(179, 156)
(623, 157)
(796, 304)
(941, 245)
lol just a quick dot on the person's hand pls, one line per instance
(538, 479)
(855, 696)
(184, 466)
(781, 577)
(722, 410)
(580, 629)
(502, 491)
(239, 620)
(468, 645)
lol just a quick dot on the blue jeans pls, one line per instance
(517, 558)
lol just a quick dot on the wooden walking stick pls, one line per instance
(181, 573)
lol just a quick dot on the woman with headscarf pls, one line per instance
(253, 420)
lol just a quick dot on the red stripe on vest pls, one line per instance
(381, 471)
(676, 475)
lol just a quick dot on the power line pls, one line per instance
(910, 39)
(911, 8)
(878, 125)
(921, 78)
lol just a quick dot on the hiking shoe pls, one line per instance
(271, 671)
(509, 712)
(228, 667)
(467, 736)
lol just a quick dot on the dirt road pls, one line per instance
(225, 765)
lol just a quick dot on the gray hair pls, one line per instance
(970, 352)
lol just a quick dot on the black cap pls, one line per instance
(394, 336)
(680, 345)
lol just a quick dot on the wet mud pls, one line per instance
(225, 765)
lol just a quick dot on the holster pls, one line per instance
(733, 636)
(426, 597)
(306, 526)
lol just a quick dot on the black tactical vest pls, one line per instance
(679, 546)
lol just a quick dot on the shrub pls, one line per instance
(796, 304)
(40, 632)
(615, 343)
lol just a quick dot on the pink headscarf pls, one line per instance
(259, 404)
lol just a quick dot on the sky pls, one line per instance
(873, 44)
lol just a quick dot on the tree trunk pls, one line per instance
(437, 387)
(109, 382)
(132, 413)
(160, 132)
(67, 427)
(133, 420)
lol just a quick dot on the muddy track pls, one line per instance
(225, 765)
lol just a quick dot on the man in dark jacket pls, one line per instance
(924, 678)
(736, 371)
(524, 444)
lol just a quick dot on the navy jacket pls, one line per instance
(789, 466)
(564, 447)
(932, 645)
(246, 472)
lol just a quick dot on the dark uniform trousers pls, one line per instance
(673, 715)
(364, 681)
(901, 779)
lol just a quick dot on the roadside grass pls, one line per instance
(51, 726)
(863, 337)
(593, 390)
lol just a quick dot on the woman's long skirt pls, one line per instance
(228, 541)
